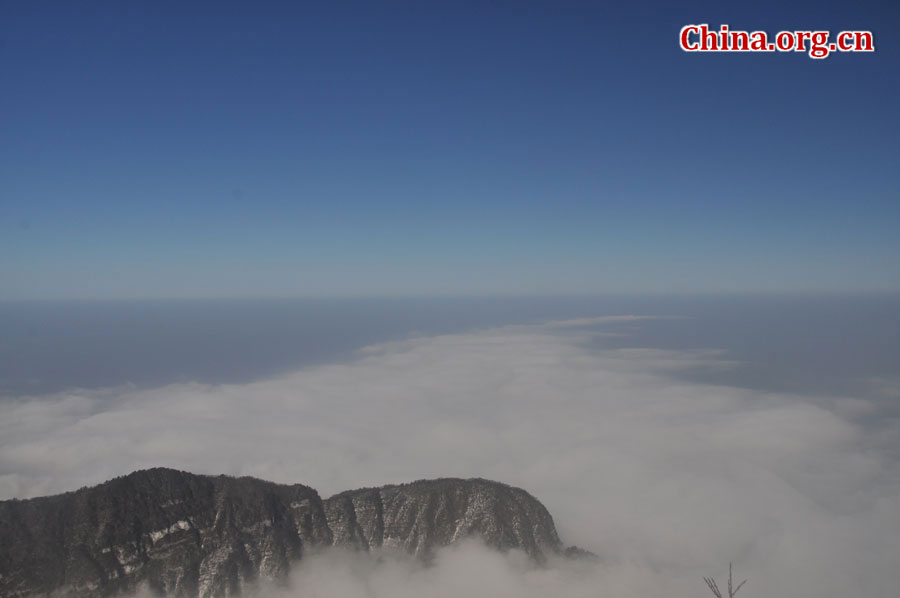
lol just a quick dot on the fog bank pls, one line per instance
(665, 479)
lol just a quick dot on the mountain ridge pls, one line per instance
(189, 535)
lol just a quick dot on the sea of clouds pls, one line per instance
(664, 479)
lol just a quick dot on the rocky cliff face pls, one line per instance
(424, 515)
(189, 535)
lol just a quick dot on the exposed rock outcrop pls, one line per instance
(187, 535)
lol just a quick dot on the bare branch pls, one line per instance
(732, 589)
(713, 587)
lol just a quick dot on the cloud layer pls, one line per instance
(666, 480)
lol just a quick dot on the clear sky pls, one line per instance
(154, 149)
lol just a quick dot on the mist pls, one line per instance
(665, 476)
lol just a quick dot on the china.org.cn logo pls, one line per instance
(817, 44)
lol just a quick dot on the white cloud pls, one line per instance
(466, 569)
(666, 480)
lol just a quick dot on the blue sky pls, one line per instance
(154, 149)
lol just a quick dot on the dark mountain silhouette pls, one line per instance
(181, 534)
